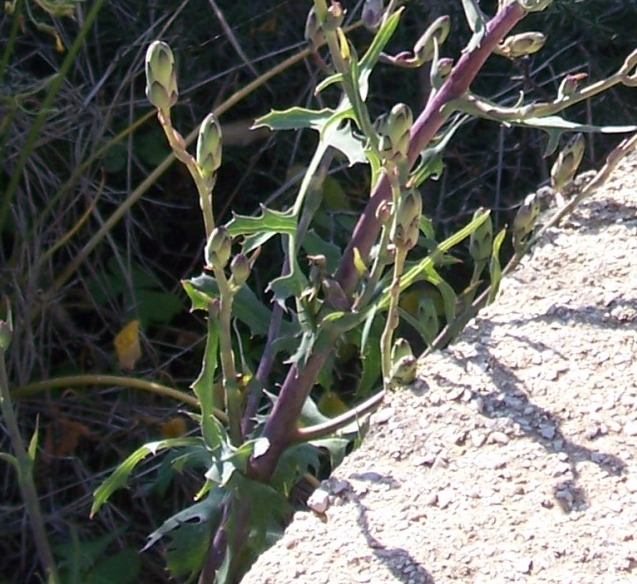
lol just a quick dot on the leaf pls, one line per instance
(370, 58)
(495, 270)
(10, 459)
(119, 478)
(556, 122)
(342, 138)
(291, 284)
(336, 447)
(295, 118)
(127, 346)
(270, 221)
(211, 429)
(314, 244)
(477, 23)
(190, 532)
(246, 307)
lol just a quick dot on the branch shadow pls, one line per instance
(399, 561)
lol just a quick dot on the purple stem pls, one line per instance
(281, 424)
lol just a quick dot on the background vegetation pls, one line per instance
(94, 237)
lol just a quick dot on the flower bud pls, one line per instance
(372, 14)
(404, 364)
(406, 228)
(393, 130)
(424, 47)
(481, 240)
(161, 79)
(209, 149)
(524, 220)
(383, 212)
(218, 248)
(240, 270)
(567, 162)
(569, 85)
(335, 16)
(519, 45)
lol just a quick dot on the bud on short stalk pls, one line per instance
(209, 149)
(481, 240)
(404, 364)
(424, 47)
(569, 85)
(567, 162)
(524, 220)
(406, 228)
(240, 270)
(393, 131)
(335, 17)
(520, 45)
(161, 79)
(218, 248)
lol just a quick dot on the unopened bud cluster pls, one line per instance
(520, 45)
(161, 78)
(406, 228)
(404, 364)
(393, 132)
(209, 149)
(218, 248)
(524, 220)
(567, 162)
(437, 33)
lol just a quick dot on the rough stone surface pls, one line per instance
(516, 460)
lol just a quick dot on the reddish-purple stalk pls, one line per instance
(280, 429)
(281, 424)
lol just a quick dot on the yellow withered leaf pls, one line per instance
(127, 346)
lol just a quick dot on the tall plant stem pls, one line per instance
(281, 424)
(24, 467)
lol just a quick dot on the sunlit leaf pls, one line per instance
(495, 269)
(120, 475)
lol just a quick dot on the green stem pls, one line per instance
(36, 387)
(178, 146)
(25, 478)
(230, 382)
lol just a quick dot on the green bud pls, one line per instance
(383, 212)
(406, 228)
(569, 85)
(424, 47)
(240, 270)
(481, 240)
(218, 248)
(524, 220)
(313, 31)
(404, 364)
(335, 17)
(161, 79)
(334, 295)
(393, 130)
(209, 149)
(567, 162)
(372, 14)
(519, 45)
